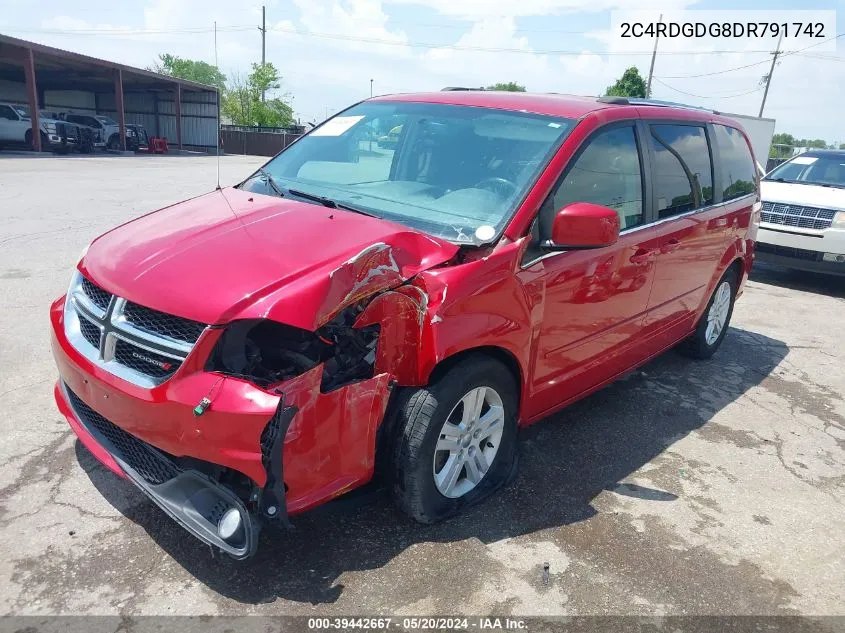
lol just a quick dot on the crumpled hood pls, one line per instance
(806, 195)
(232, 254)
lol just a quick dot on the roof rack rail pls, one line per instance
(614, 100)
(459, 88)
(653, 102)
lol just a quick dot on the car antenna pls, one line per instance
(217, 145)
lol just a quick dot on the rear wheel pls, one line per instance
(455, 440)
(714, 323)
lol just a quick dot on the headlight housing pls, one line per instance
(839, 221)
(268, 353)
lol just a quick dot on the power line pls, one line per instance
(386, 42)
(763, 61)
(690, 94)
(457, 47)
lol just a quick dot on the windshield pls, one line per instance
(819, 169)
(457, 172)
(21, 110)
(105, 120)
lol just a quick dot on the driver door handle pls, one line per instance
(670, 246)
(642, 255)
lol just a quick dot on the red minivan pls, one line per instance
(352, 308)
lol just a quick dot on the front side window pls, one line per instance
(458, 172)
(683, 176)
(106, 120)
(812, 168)
(7, 113)
(737, 169)
(607, 172)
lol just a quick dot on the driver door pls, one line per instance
(593, 301)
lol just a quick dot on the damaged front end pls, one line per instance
(273, 414)
(333, 384)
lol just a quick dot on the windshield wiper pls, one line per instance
(273, 185)
(328, 202)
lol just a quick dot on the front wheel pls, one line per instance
(714, 323)
(456, 439)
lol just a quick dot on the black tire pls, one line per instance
(696, 346)
(28, 140)
(113, 142)
(419, 415)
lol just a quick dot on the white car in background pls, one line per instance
(803, 219)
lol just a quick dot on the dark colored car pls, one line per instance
(250, 354)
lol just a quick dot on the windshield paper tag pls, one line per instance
(336, 126)
(804, 160)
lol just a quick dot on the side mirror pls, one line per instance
(583, 225)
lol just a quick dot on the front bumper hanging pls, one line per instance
(191, 498)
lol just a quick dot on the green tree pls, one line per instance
(192, 70)
(630, 84)
(842, 146)
(242, 101)
(507, 86)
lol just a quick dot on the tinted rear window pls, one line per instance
(736, 166)
(683, 176)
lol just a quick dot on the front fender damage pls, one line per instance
(334, 382)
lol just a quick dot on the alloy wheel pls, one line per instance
(717, 316)
(468, 442)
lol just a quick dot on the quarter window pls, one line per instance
(683, 174)
(608, 173)
(739, 175)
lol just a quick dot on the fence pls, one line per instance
(258, 141)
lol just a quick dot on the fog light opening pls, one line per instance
(231, 525)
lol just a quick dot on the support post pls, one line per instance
(32, 98)
(118, 104)
(769, 76)
(178, 110)
(157, 115)
(653, 57)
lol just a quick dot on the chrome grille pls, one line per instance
(138, 344)
(798, 216)
(90, 331)
(156, 322)
(144, 361)
(98, 296)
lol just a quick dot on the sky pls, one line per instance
(327, 51)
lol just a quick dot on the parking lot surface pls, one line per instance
(687, 487)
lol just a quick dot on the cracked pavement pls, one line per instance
(685, 488)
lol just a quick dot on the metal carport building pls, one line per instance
(47, 78)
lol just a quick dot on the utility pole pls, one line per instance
(263, 29)
(769, 76)
(371, 88)
(653, 56)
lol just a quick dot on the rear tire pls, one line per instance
(715, 321)
(429, 419)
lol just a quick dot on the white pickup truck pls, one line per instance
(16, 127)
(106, 130)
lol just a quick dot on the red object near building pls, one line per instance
(250, 354)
